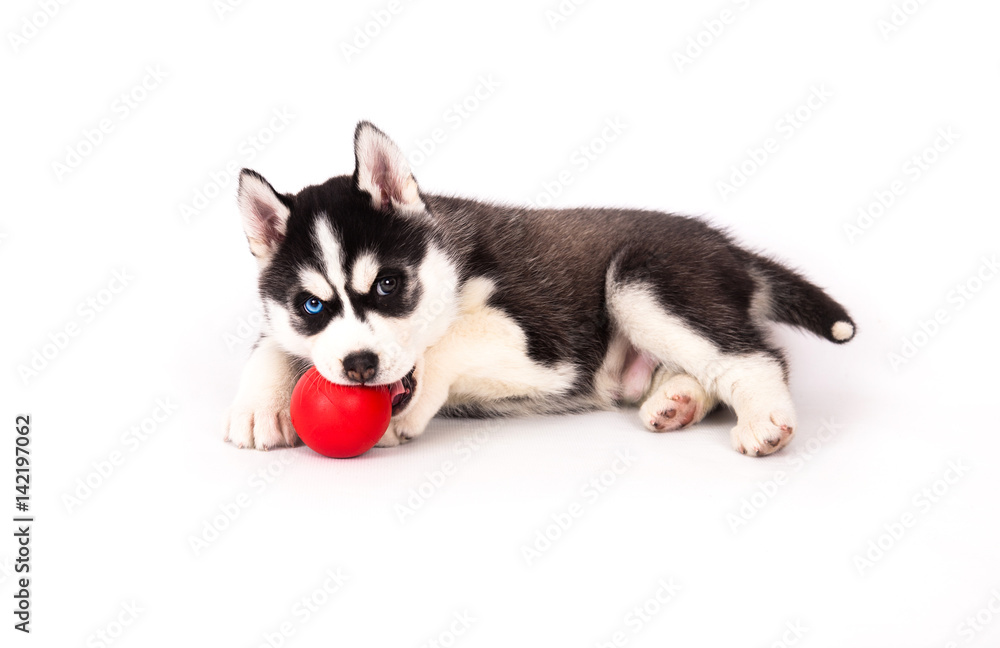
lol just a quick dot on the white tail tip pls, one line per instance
(843, 331)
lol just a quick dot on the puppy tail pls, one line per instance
(794, 300)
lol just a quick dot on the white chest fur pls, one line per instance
(485, 355)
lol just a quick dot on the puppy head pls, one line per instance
(352, 276)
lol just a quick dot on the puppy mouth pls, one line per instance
(401, 392)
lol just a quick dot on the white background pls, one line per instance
(181, 328)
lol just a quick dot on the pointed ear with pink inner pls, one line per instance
(381, 170)
(265, 214)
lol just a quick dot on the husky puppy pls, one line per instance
(480, 309)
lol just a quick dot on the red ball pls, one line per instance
(339, 420)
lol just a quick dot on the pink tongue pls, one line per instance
(395, 389)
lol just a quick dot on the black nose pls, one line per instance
(361, 366)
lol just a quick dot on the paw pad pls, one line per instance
(680, 413)
(675, 402)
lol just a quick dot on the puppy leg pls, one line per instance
(752, 381)
(675, 401)
(433, 382)
(259, 417)
(755, 386)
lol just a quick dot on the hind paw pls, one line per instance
(675, 403)
(763, 435)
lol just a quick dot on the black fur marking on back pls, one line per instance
(550, 268)
(694, 274)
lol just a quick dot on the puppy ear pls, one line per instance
(381, 170)
(265, 214)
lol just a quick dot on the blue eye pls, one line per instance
(312, 306)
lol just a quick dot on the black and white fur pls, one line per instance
(495, 309)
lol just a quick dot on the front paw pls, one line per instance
(401, 430)
(262, 428)
(390, 439)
